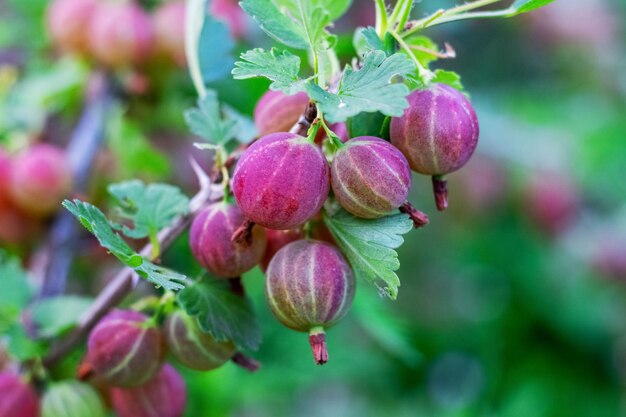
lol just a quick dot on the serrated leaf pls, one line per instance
(221, 313)
(370, 246)
(207, 122)
(96, 222)
(523, 6)
(281, 67)
(215, 49)
(16, 291)
(149, 207)
(366, 40)
(369, 88)
(450, 78)
(54, 316)
(275, 24)
(300, 24)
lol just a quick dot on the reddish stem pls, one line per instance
(304, 122)
(317, 339)
(440, 188)
(246, 362)
(243, 234)
(420, 219)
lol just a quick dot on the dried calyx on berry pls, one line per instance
(211, 241)
(310, 287)
(437, 133)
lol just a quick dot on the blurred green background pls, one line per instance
(513, 301)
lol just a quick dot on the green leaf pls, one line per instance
(54, 316)
(300, 24)
(366, 39)
(421, 44)
(370, 246)
(275, 24)
(246, 130)
(150, 207)
(19, 345)
(523, 6)
(369, 124)
(221, 313)
(207, 121)
(96, 222)
(369, 88)
(16, 291)
(215, 49)
(280, 67)
(132, 149)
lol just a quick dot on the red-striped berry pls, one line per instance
(124, 349)
(163, 396)
(17, 398)
(278, 112)
(370, 177)
(192, 347)
(281, 181)
(437, 133)
(309, 286)
(211, 243)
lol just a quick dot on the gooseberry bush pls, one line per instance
(314, 190)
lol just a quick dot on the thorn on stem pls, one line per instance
(420, 219)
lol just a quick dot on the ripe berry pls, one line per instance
(276, 239)
(278, 112)
(68, 23)
(163, 396)
(281, 181)
(437, 133)
(211, 244)
(5, 177)
(370, 177)
(309, 287)
(125, 349)
(72, 399)
(17, 399)
(40, 179)
(232, 14)
(169, 30)
(121, 34)
(192, 347)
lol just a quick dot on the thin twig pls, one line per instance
(124, 281)
(51, 263)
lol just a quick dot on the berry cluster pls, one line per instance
(32, 185)
(122, 34)
(282, 181)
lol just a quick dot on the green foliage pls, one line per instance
(369, 88)
(97, 224)
(281, 67)
(132, 149)
(369, 124)
(214, 49)
(149, 207)
(16, 291)
(208, 122)
(450, 78)
(523, 6)
(369, 246)
(300, 24)
(54, 316)
(221, 313)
